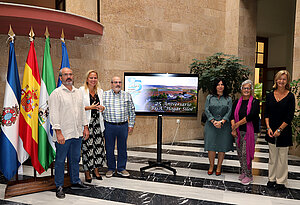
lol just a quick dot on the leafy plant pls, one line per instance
(220, 65)
(258, 91)
(295, 88)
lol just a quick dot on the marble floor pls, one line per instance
(190, 186)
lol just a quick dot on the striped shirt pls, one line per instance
(118, 107)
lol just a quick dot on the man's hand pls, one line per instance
(130, 130)
(60, 137)
(86, 132)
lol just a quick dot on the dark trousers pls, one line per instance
(111, 133)
(71, 148)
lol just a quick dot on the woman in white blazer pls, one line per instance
(93, 149)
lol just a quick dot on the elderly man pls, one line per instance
(68, 119)
(119, 116)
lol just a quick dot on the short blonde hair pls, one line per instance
(278, 75)
(86, 79)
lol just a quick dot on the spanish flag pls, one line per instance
(30, 107)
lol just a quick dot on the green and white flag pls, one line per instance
(46, 145)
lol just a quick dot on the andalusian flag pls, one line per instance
(12, 153)
(30, 107)
(46, 145)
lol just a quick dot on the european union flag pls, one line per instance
(64, 60)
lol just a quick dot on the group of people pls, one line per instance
(81, 119)
(240, 121)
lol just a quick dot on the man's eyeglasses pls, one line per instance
(116, 82)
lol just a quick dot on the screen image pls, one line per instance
(167, 94)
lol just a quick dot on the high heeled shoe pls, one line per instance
(97, 177)
(88, 177)
(210, 172)
(218, 173)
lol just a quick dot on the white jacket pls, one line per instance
(86, 102)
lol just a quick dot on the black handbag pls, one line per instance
(203, 117)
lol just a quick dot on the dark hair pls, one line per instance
(216, 82)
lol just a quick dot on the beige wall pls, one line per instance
(151, 36)
(296, 60)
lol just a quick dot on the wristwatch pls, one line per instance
(278, 130)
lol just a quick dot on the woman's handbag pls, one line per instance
(203, 117)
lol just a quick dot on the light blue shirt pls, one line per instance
(119, 107)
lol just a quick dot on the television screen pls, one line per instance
(163, 93)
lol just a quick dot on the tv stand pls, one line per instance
(158, 162)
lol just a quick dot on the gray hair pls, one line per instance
(247, 82)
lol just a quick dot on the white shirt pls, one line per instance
(67, 112)
(86, 102)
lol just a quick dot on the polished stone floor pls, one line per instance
(190, 186)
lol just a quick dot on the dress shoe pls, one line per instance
(88, 180)
(124, 173)
(271, 184)
(210, 172)
(60, 192)
(88, 177)
(280, 187)
(218, 173)
(97, 177)
(80, 185)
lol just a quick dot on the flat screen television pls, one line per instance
(163, 93)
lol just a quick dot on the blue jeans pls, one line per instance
(112, 132)
(71, 148)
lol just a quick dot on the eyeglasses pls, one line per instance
(67, 74)
(116, 82)
(246, 88)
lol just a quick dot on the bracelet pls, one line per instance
(268, 128)
(278, 130)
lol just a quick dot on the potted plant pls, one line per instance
(220, 65)
(295, 88)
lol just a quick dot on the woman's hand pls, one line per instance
(217, 124)
(234, 133)
(276, 134)
(270, 133)
(94, 106)
(235, 126)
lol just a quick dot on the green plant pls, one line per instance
(295, 88)
(220, 65)
(258, 91)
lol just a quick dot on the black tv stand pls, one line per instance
(158, 162)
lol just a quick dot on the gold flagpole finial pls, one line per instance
(31, 34)
(11, 34)
(62, 37)
(47, 34)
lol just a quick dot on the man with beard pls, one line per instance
(68, 120)
(119, 116)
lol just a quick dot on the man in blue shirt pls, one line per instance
(119, 118)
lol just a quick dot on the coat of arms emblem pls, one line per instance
(9, 115)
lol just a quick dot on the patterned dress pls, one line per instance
(93, 150)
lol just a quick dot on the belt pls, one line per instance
(116, 123)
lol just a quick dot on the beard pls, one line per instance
(69, 81)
